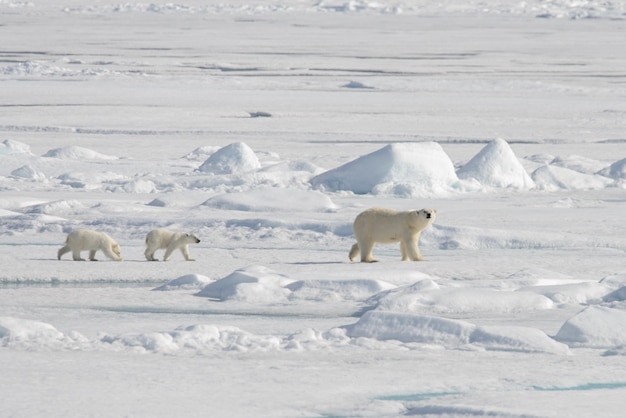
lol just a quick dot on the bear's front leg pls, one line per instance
(92, 256)
(405, 254)
(411, 248)
(185, 251)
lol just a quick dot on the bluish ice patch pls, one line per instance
(585, 386)
(416, 397)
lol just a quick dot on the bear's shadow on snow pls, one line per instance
(315, 263)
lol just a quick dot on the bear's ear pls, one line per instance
(434, 210)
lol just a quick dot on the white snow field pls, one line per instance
(265, 127)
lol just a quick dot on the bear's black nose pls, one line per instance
(428, 216)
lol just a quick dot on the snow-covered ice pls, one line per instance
(265, 127)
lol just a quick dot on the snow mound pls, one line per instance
(186, 282)
(514, 338)
(201, 153)
(28, 173)
(9, 146)
(10, 213)
(57, 207)
(92, 180)
(616, 171)
(22, 329)
(578, 163)
(496, 166)
(542, 159)
(273, 199)
(452, 333)
(157, 202)
(595, 327)
(427, 297)
(553, 178)
(193, 338)
(173, 200)
(618, 295)
(77, 153)
(411, 328)
(139, 186)
(573, 293)
(295, 165)
(408, 169)
(356, 85)
(337, 289)
(235, 158)
(535, 276)
(33, 335)
(614, 280)
(251, 284)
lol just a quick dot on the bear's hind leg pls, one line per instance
(168, 252)
(66, 249)
(366, 252)
(76, 255)
(354, 252)
(149, 253)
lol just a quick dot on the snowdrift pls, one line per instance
(552, 178)
(396, 317)
(427, 297)
(255, 283)
(616, 171)
(235, 158)
(595, 327)
(35, 335)
(27, 172)
(186, 282)
(268, 199)
(412, 169)
(238, 179)
(589, 9)
(77, 153)
(450, 333)
(337, 289)
(424, 170)
(496, 166)
(9, 146)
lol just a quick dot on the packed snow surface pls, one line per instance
(265, 127)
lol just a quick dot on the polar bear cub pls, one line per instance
(384, 225)
(159, 239)
(89, 240)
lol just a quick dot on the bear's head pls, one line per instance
(115, 248)
(423, 217)
(192, 238)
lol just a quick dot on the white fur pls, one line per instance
(92, 241)
(159, 239)
(384, 225)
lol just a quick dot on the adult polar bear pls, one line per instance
(159, 239)
(385, 225)
(89, 240)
